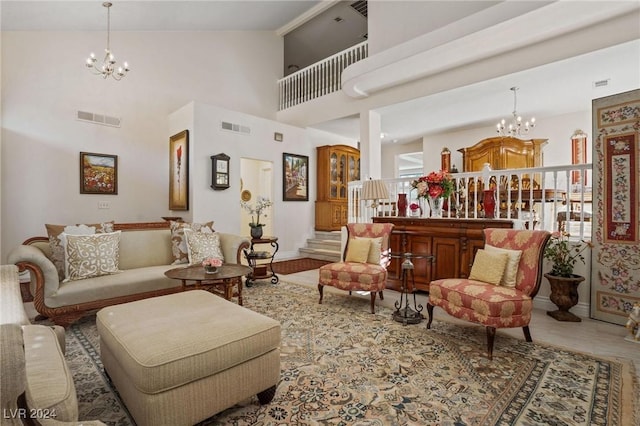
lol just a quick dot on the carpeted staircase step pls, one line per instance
(323, 244)
(321, 254)
(328, 235)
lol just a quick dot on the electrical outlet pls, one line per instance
(103, 205)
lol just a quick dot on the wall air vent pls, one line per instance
(601, 83)
(232, 127)
(105, 120)
(360, 6)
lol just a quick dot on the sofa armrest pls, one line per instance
(11, 307)
(232, 246)
(52, 422)
(44, 276)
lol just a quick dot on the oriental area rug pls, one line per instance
(341, 365)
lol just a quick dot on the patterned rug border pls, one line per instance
(457, 340)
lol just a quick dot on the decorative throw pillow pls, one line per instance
(510, 272)
(375, 249)
(358, 250)
(201, 245)
(488, 267)
(57, 251)
(88, 256)
(179, 242)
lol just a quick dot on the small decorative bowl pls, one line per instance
(210, 269)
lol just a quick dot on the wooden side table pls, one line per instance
(261, 271)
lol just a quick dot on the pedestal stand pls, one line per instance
(261, 271)
(404, 313)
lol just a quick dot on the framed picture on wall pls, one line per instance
(98, 173)
(295, 177)
(179, 171)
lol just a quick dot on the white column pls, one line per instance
(370, 145)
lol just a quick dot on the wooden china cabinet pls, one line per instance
(452, 242)
(337, 166)
(503, 153)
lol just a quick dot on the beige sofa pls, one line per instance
(36, 384)
(145, 254)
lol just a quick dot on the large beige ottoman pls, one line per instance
(181, 358)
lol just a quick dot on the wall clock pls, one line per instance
(220, 171)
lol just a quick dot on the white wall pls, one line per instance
(291, 221)
(390, 153)
(44, 83)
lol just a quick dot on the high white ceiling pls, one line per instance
(558, 88)
(554, 89)
(147, 15)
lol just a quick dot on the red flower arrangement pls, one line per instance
(435, 184)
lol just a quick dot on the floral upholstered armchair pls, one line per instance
(365, 261)
(504, 279)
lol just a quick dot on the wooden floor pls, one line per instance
(590, 336)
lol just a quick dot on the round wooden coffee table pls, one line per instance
(220, 283)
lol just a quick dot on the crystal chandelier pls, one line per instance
(516, 127)
(108, 66)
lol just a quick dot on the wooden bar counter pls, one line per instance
(452, 242)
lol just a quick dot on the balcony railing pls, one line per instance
(534, 198)
(319, 79)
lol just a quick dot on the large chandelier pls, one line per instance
(516, 127)
(108, 66)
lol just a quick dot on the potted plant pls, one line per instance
(564, 283)
(258, 209)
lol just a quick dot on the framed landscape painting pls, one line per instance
(98, 173)
(179, 171)
(295, 177)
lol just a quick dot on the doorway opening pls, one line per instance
(256, 180)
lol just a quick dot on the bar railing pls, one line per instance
(552, 198)
(318, 79)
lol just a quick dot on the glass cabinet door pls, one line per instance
(333, 176)
(342, 174)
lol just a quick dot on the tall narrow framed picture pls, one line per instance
(179, 171)
(98, 173)
(295, 177)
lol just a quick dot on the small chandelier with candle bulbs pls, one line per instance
(108, 67)
(516, 127)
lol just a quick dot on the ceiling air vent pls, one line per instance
(232, 127)
(105, 120)
(360, 6)
(601, 83)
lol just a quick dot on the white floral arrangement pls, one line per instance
(261, 204)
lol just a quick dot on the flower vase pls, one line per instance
(489, 204)
(423, 207)
(210, 269)
(256, 231)
(435, 205)
(402, 205)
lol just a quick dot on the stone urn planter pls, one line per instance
(564, 294)
(256, 231)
